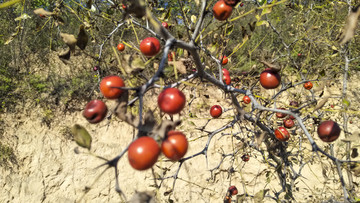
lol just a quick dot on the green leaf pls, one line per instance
(8, 3)
(166, 15)
(346, 102)
(81, 136)
(230, 30)
(266, 11)
(262, 22)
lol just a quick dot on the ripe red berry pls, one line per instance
(328, 131)
(109, 86)
(221, 10)
(233, 190)
(150, 46)
(171, 100)
(121, 47)
(245, 157)
(308, 85)
(175, 145)
(241, 4)
(246, 99)
(95, 111)
(282, 134)
(281, 115)
(289, 123)
(270, 79)
(227, 79)
(165, 25)
(216, 111)
(224, 60)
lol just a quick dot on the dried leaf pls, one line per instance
(70, 40)
(272, 66)
(260, 138)
(355, 168)
(149, 122)
(350, 26)
(259, 196)
(81, 136)
(321, 103)
(354, 153)
(142, 197)
(132, 63)
(82, 38)
(65, 55)
(179, 65)
(41, 11)
(252, 26)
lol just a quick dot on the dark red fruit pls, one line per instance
(216, 111)
(308, 85)
(150, 46)
(175, 145)
(328, 131)
(270, 79)
(231, 2)
(245, 157)
(281, 115)
(224, 60)
(282, 134)
(165, 25)
(289, 123)
(143, 153)
(221, 10)
(294, 104)
(95, 111)
(171, 101)
(246, 99)
(109, 86)
(225, 72)
(233, 190)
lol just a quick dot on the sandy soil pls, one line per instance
(49, 170)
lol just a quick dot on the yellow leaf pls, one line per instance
(8, 3)
(266, 11)
(263, 22)
(193, 19)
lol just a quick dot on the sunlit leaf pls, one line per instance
(262, 22)
(193, 19)
(8, 3)
(229, 30)
(41, 11)
(81, 136)
(24, 16)
(266, 11)
(346, 102)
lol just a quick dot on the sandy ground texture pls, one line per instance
(47, 169)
